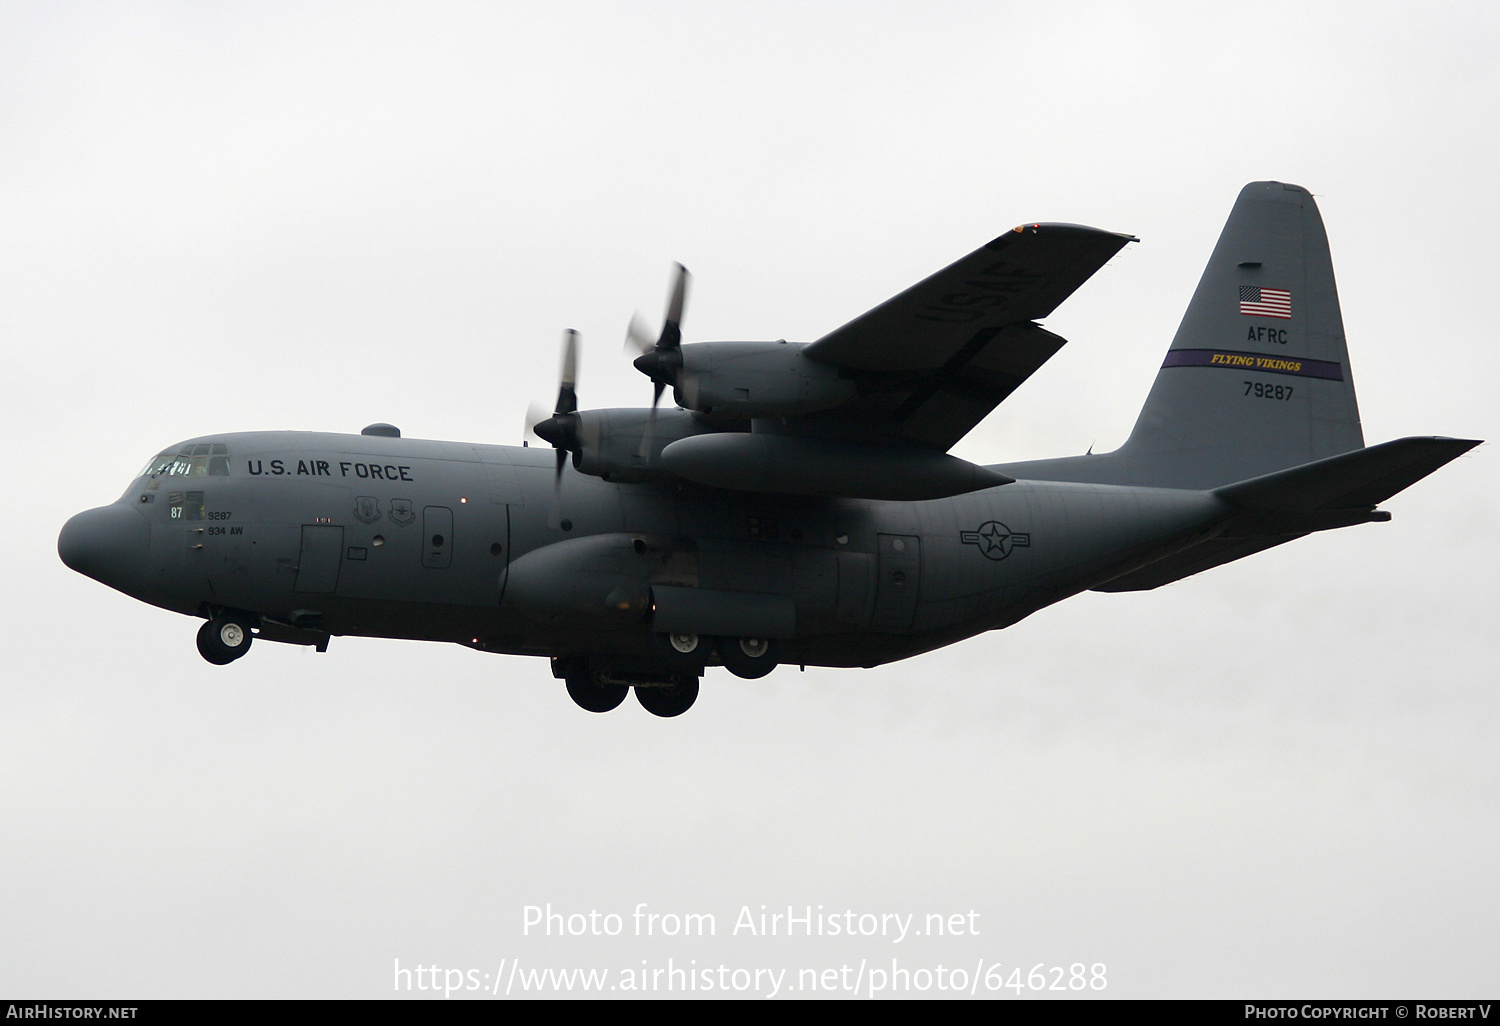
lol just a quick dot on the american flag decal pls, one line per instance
(1260, 302)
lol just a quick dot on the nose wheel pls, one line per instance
(224, 639)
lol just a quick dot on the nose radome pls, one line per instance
(108, 544)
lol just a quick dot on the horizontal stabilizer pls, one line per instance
(1363, 477)
(1268, 511)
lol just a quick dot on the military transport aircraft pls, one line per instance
(799, 504)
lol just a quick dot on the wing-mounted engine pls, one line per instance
(731, 381)
(737, 426)
(622, 445)
(744, 380)
(867, 411)
(625, 445)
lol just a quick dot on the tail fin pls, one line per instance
(1257, 379)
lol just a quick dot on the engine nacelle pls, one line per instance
(609, 442)
(791, 465)
(741, 380)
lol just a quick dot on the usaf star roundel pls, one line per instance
(995, 540)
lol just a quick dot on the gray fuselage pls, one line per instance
(481, 545)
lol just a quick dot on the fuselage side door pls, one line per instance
(320, 558)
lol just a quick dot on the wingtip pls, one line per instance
(1059, 228)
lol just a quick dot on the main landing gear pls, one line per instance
(224, 638)
(671, 687)
(670, 699)
(659, 694)
(750, 658)
(594, 695)
(685, 653)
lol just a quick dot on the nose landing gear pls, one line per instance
(224, 638)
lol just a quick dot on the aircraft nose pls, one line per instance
(108, 544)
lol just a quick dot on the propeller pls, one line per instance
(561, 429)
(662, 361)
(535, 414)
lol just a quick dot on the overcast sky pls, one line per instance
(1277, 779)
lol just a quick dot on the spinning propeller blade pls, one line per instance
(561, 429)
(663, 361)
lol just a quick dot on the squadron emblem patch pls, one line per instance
(367, 508)
(401, 512)
(995, 540)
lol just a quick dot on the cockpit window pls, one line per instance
(206, 459)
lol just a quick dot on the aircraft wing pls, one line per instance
(932, 362)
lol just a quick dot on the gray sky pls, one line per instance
(1276, 779)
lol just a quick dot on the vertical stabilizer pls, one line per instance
(1257, 379)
